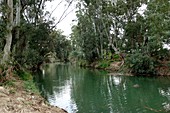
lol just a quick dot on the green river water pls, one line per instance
(79, 90)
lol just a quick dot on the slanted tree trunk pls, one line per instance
(7, 47)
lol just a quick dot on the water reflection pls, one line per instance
(89, 91)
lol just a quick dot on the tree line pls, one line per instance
(137, 28)
(27, 35)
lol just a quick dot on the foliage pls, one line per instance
(34, 34)
(83, 63)
(62, 46)
(38, 42)
(116, 57)
(2, 34)
(141, 63)
(104, 64)
(77, 55)
(107, 28)
(30, 54)
(104, 30)
(30, 86)
(24, 75)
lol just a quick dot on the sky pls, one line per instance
(66, 24)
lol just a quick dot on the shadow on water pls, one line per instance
(81, 90)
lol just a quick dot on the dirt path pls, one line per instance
(14, 99)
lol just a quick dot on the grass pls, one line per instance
(24, 75)
(30, 86)
(104, 63)
(26, 82)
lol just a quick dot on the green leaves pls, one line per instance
(141, 63)
(62, 46)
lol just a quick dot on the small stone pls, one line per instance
(3, 94)
(136, 85)
(1, 88)
(20, 99)
(32, 97)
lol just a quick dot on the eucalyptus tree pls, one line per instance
(2, 26)
(93, 29)
(154, 29)
(8, 35)
(119, 26)
(158, 24)
(62, 45)
(15, 15)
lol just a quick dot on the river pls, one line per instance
(79, 90)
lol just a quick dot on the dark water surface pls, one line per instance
(79, 90)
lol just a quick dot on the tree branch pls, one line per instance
(63, 15)
(54, 9)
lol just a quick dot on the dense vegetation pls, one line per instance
(28, 37)
(131, 31)
(136, 30)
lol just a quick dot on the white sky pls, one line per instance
(66, 24)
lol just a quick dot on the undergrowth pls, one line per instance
(31, 87)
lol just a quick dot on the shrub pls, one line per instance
(104, 64)
(83, 63)
(116, 56)
(24, 75)
(30, 86)
(140, 63)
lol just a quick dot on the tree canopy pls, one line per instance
(138, 28)
(27, 37)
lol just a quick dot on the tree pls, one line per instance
(62, 45)
(7, 48)
(106, 27)
(158, 23)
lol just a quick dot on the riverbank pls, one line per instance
(112, 67)
(118, 67)
(18, 96)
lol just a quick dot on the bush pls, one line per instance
(83, 63)
(116, 57)
(24, 75)
(104, 64)
(141, 63)
(30, 86)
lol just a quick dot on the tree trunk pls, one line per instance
(17, 26)
(18, 9)
(95, 32)
(7, 47)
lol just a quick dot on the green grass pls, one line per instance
(31, 87)
(27, 78)
(24, 75)
(104, 63)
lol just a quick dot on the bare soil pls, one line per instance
(15, 99)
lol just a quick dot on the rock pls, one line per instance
(136, 85)
(21, 99)
(4, 101)
(2, 88)
(3, 94)
(115, 66)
